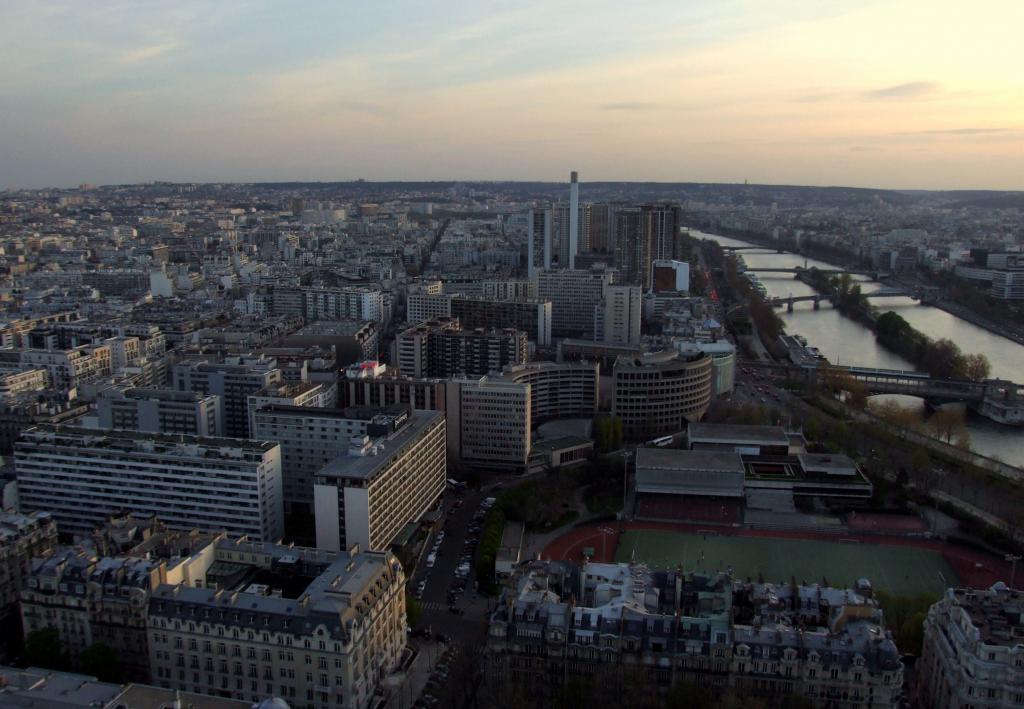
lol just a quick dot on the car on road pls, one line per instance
(456, 610)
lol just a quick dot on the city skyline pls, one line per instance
(891, 95)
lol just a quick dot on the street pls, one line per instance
(466, 628)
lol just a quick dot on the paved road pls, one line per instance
(467, 631)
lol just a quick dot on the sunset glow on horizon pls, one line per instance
(896, 94)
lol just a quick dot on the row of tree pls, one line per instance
(941, 358)
(43, 648)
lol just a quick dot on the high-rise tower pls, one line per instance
(538, 242)
(574, 218)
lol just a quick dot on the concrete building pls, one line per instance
(489, 423)
(575, 297)
(670, 276)
(351, 340)
(723, 361)
(973, 652)
(665, 220)
(540, 225)
(629, 635)
(346, 303)
(304, 394)
(317, 628)
(16, 383)
(420, 307)
(558, 389)
(233, 382)
(391, 476)
(71, 368)
(532, 317)
(310, 438)
(161, 411)
(656, 394)
(632, 236)
(620, 316)
(82, 475)
(702, 473)
(598, 238)
(510, 290)
(373, 383)
(442, 349)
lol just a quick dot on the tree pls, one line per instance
(101, 661)
(893, 413)
(686, 695)
(413, 610)
(920, 461)
(977, 367)
(947, 424)
(43, 649)
(910, 636)
(943, 360)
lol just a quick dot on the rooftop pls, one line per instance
(738, 434)
(141, 442)
(383, 449)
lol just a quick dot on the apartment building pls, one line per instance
(427, 306)
(68, 369)
(539, 241)
(310, 438)
(391, 475)
(656, 394)
(160, 411)
(373, 383)
(574, 297)
(17, 383)
(82, 475)
(91, 599)
(619, 314)
(317, 628)
(23, 537)
(532, 317)
(346, 303)
(632, 634)
(233, 381)
(973, 654)
(442, 349)
(306, 394)
(489, 423)
(510, 290)
(558, 389)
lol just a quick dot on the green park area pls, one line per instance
(891, 569)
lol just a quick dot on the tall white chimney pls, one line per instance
(574, 217)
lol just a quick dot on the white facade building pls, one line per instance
(80, 476)
(392, 475)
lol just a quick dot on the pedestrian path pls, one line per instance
(433, 605)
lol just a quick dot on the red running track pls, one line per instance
(975, 569)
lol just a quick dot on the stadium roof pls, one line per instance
(737, 434)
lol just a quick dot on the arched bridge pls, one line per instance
(789, 300)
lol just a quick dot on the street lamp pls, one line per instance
(1013, 559)
(605, 531)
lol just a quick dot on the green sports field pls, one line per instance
(893, 569)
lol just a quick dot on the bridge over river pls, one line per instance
(996, 399)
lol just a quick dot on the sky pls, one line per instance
(874, 93)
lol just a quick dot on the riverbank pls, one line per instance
(957, 310)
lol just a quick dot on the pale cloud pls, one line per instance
(628, 106)
(909, 90)
(145, 53)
